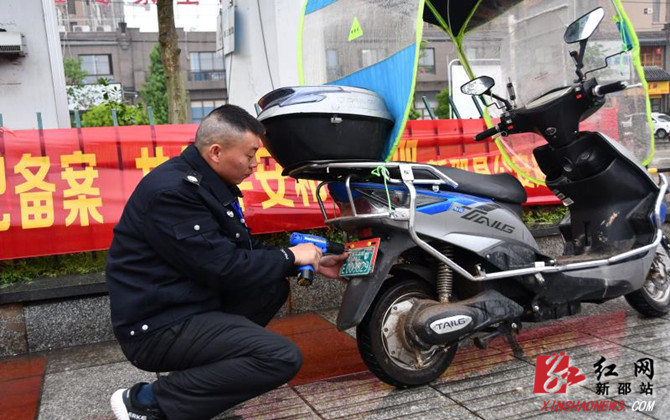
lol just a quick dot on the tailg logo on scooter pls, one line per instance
(453, 323)
(481, 217)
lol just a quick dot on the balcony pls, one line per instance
(202, 76)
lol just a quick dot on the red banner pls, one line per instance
(63, 190)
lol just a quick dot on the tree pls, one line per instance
(101, 115)
(74, 75)
(153, 90)
(169, 47)
(443, 107)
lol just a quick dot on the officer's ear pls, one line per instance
(214, 151)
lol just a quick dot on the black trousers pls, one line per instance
(218, 359)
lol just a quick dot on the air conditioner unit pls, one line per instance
(61, 28)
(81, 28)
(103, 28)
(648, 10)
(12, 43)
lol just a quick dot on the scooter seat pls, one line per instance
(501, 187)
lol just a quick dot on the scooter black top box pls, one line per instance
(309, 123)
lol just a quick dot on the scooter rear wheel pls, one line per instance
(653, 299)
(381, 340)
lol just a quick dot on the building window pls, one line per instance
(97, 66)
(651, 56)
(206, 66)
(200, 109)
(656, 12)
(372, 56)
(427, 61)
(333, 64)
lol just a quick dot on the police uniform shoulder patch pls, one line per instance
(193, 177)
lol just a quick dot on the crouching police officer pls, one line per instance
(191, 290)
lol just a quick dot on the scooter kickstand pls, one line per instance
(506, 329)
(483, 342)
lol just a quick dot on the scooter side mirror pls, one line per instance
(582, 28)
(478, 86)
(482, 86)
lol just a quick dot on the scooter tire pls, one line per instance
(653, 298)
(370, 339)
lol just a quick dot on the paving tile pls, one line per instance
(298, 324)
(282, 403)
(346, 383)
(378, 405)
(657, 350)
(326, 353)
(547, 343)
(525, 401)
(471, 384)
(490, 387)
(470, 353)
(21, 367)
(473, 368)
(85, 393)
(454, 412)
(425, 409)
(19, 398)
(334, 392)
(80, 357)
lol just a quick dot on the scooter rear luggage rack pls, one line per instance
(406, 173)
(399, 172)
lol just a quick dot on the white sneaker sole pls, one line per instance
(118, 407)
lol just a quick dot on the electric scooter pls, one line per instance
(452, 257)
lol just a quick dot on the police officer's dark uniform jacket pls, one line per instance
(181, 242)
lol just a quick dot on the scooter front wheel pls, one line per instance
(381, 341)
(653, 299)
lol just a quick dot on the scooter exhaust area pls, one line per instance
(431, 323)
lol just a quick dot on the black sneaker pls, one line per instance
(126, 407)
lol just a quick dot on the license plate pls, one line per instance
(362, 257)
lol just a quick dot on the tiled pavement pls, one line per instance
(492, 384)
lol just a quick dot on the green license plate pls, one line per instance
(361, 259)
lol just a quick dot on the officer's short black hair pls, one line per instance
(226, 123)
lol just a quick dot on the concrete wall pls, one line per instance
(35, 82)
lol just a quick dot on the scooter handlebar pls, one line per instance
(486, 133)
(602, 90)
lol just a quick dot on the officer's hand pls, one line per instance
(330, 265)
(306, 254)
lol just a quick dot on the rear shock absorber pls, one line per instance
(444, 274)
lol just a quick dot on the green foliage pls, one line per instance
(154, 90)
(537, 215)
(280, 239)
(101, 115)
(74, 75)
(414, 114)
(443, 107)
(21, 270)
